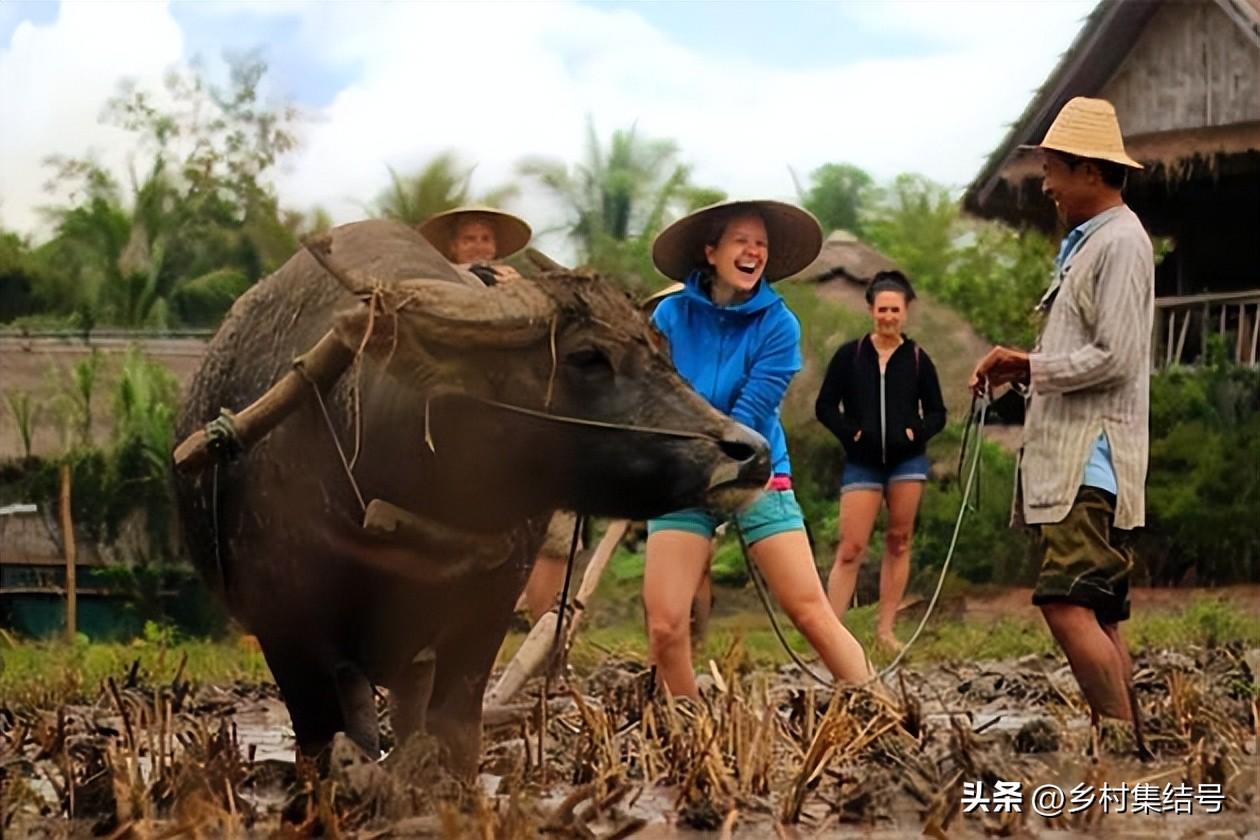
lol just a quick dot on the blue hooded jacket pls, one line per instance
(740, 358)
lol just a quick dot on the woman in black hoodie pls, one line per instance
(882, 401)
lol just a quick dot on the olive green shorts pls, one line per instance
(1084, 559)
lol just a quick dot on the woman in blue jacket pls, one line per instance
(737, 343)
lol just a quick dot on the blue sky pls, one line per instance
(788, 34)
(747, 89)
(309, 78)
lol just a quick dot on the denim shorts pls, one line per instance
(773, 512)
(862, 477)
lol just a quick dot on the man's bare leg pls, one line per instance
(1097, 662)
(1135, 712)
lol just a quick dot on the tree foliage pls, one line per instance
(441, 184)
(992, 274)
(914, 221)
(1203, 488)
(836, 195)
(618, 198)
(203, 203)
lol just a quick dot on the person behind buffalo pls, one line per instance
(882, 400)
(734, 340)
(477, 238)
(1082, 468)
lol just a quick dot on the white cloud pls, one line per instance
(54, 81)
(498, 82)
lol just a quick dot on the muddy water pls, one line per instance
(1016, 722)
(265, 732)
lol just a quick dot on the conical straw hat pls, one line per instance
(511, 234)
(795, 238)
(1087, 128)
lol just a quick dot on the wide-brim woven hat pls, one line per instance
(650, 302)
(511, 234)
(1087, 128)
(795, 238)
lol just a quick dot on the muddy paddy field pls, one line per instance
(958, 747)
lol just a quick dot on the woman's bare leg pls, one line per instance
(858, 509)
(788, 566)
(894, 571)
(675, 563)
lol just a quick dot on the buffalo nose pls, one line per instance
(742, 444)
(749, 456)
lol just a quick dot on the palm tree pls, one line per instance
(118, 253)
(619, 198)
(441, 184)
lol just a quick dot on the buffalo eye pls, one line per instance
(590, 362)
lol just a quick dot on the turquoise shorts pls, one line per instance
(774, 512)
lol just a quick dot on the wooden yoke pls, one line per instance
(321, 366)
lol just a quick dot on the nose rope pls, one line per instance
(580, 421)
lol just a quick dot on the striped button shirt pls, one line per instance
(1091, 373)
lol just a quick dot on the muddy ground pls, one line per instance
(763, 755)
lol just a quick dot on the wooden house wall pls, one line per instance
(1191, 67)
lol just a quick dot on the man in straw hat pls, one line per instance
(475, 237)
(1084, 458)
(734, 340)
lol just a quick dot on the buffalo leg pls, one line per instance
(454, 715)
(358, 708)
(463, 669)
(310, 693)
(410, 694)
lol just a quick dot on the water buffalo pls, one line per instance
(426, 420)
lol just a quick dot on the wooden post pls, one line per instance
(1255, 333)
(1205, 324)
(538, 644)
(67, 537)
(1242, 333)
(1170, 336)
(1181, 339)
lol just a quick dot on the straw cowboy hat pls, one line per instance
(795, 238)
(511, 234)
(1087, 128)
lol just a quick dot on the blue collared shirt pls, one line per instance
(1099, 471)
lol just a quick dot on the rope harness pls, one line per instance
(972, 439)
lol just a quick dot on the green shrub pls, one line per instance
(203, 301)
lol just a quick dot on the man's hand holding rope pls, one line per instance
(998, 367)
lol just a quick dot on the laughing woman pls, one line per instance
(737, 343)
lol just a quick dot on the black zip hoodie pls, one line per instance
(852, 399)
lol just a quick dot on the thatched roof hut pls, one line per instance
(1185, 81)
(844, 255)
